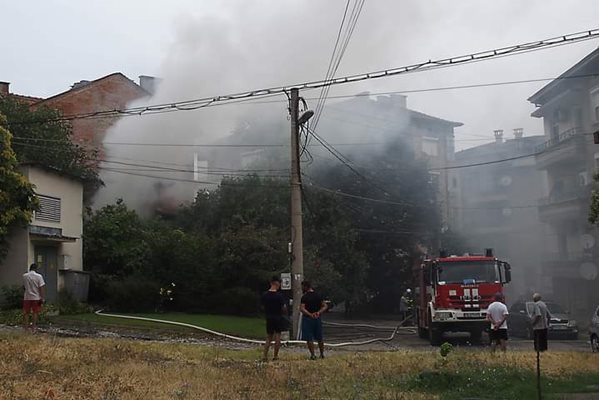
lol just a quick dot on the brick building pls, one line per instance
(114, 91)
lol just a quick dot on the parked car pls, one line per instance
(560, 324)
(594, 331)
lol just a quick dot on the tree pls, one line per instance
(594, 211)
(17, 196)
(40, 137)
(113, 242)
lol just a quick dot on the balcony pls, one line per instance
(565, 205)
(564, 148)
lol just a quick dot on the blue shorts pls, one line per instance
(311, 329)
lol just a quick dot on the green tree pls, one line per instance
(113, 240)
(17, 196)
(41, 137)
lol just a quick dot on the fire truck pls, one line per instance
(452, 293)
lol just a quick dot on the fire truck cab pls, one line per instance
(453, 293)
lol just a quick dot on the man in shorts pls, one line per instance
(275, 306)
(35, 289)
(497, 314)
(312, 306)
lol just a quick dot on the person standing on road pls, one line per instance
(274, 307)
(33, 298)
(497, 314)
(540, 318)
(312, 306)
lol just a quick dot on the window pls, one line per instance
(49, 209)
(430, 146)
(595, 103)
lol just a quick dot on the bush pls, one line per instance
(68, 304)
(12, 297)
(15, 316)
(237, 301)
(133, 294)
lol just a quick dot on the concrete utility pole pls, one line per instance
(297, 236)
(297, 244)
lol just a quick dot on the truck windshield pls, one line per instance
(467, 272)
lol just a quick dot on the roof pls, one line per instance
(53, 170)
(423, 116)
(81, 87)
(465, 258)
(586, 66)
(484, 149)
(25, 99)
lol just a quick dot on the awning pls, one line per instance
(45, 233)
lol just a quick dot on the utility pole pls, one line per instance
(297, 243)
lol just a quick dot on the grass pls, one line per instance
(51, 368)
(239, 326)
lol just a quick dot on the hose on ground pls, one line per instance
(252, 341)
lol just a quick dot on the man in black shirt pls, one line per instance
(312, 307)
(274, 307)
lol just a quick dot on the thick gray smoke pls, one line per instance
(250, 45)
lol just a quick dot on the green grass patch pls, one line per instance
(239, 326)
(497, 382)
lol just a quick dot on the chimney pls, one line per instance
(518, 133)
(498, 136)
(4, 86)
(148, 83)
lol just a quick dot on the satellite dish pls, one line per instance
(506, 180)
(506, 212)
(588, 241)
(588, 271)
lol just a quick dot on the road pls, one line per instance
(338, 330)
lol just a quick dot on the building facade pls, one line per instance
(569, 107)
(53, 238)
(496, 205)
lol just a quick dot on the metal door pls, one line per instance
(46, 258)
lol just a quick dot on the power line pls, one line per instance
(334, 64)
(187, 180)
(353, 196)
(422, 66)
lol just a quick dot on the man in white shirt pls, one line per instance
(497, 314)
(35, 290)
(540, 322)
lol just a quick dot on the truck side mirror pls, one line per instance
(508, 273)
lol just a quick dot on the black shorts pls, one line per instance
(540, 337)
(275, 325)
(497, 334)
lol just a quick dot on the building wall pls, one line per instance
(112, 92)
(70, 192)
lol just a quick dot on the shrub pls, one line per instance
(68, 304)
(12, 297)
(237, 301)
(133, 294)
(15, 316)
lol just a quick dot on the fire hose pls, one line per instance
(254, 341)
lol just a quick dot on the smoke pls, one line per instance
(245, 45)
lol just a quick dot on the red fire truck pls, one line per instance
(453, 293)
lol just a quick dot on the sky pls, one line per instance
(216, 47)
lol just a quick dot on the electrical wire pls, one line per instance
(422, 66)
(336, 58)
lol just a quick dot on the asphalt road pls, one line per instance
(337, 330)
